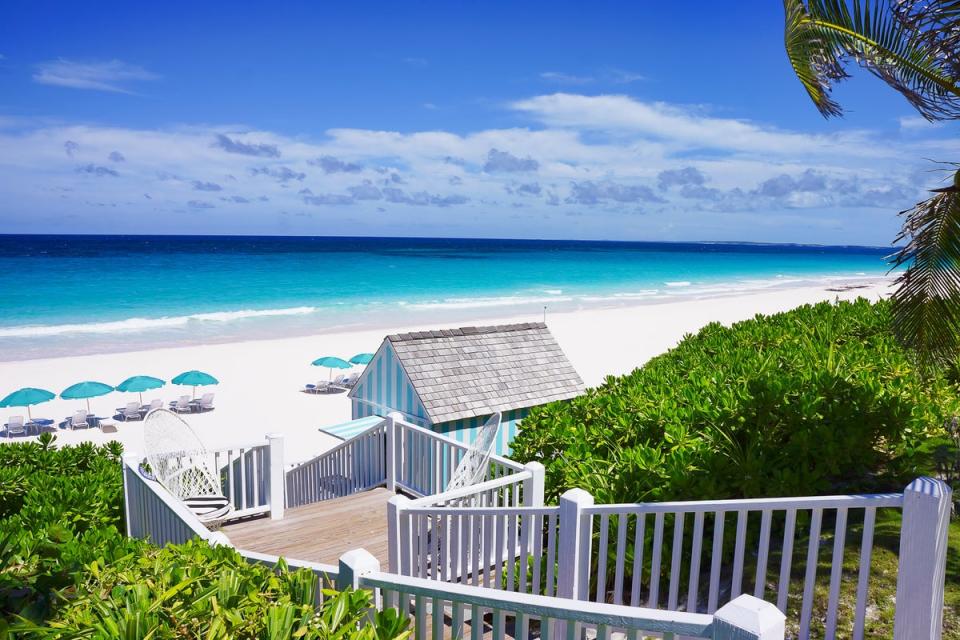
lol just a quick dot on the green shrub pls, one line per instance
(816, 400)
(60, 508)
(67, 571)
(194, 590)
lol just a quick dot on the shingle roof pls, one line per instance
(474, 371)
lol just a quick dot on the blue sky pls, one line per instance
(672, 121)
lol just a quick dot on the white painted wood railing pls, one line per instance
(701, 553)
(245, 477)
(443, 610)
(423, 461)
(393, 453)
(356, 465)
(468, 531)
(686, 556)
(152, 513)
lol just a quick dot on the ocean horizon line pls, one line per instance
(581, 241)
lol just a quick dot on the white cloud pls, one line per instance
(111, 75)
(683, 127)
(588, 156)
(915, 123)
(609, 76)
(565, 78)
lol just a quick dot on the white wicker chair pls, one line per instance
(179, 462)
(474, 465)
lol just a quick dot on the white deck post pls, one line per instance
(130, 461)
(395, 507)
(392, 450)
(572, 580)
(573, 556)
(748, 618)
(355, 564)
(923, 560)
(534, 487)
(277, 475)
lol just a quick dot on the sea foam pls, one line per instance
(146, 324)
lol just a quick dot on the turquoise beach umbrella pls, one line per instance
(85, 390)
(331, 362)
(139, 384)
(195, 379)
(362, 358)
(26, 397)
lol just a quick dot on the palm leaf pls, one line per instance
(822, 35)
(926, 309)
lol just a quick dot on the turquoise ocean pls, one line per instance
(71, 295)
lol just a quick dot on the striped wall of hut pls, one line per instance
(385, 388)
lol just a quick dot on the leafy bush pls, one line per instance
(67, 571)
(60, 508)
(815, 400)
(194, 590)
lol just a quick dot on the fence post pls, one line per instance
(573, 557)
(355, 564)
(748, 618)
(392, 450)
(277, 475)
(395, 507)
(130, 462)
(534, 487)
(923, 560)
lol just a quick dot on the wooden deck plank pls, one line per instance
(320, 532)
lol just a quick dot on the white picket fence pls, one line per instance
(443, 610)
(683, 556)
(392, 453)
(686, 557)
(423, 461)
(152, 513)
(355, 465)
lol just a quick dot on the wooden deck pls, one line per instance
(320, 532)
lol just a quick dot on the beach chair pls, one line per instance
(131, 412)
(15, 427)
(180, 462)
(205, 403)
(79, 420)
(156, 403)
(182, 405)
(350, 381)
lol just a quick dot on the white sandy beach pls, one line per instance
(260, 381)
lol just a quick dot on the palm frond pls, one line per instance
(926, 303)
(815, 60)
(935, 25)
(822, 35)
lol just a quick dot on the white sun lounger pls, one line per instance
(156, 403)
(182, 405)
(350, 381)
(205, 403)
(131, 411)
(79, 420)
(15, 426)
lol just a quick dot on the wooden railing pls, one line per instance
(683, 556)
(465, 532)
(443, 610)
(245, 477)
(152, 513)
(423, 461)
(728, 551)
(355, 465)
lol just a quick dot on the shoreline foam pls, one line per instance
(260, 379)
(33, 341)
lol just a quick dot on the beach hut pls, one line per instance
(452, 380)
